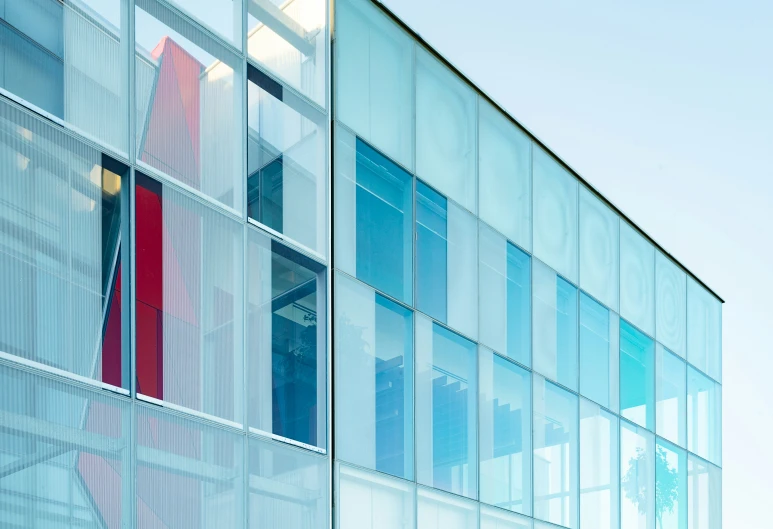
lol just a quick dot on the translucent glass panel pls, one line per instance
(189, 311)
(493, 518)
(555, 215)
(554, 318)
(189, 474)
(373, 217)
(62, 456)
(671, 486)
(637, 477)
(599, 353)
(637, 376)
(704, 330)
(374, 379)
(369, 500)
(671, 395)
(60, 239)
(286, 162)
(374, 78)
(288, 487)
(670, 304)
(505, 296)
(556, 454)
(188, 105)
(599, 460)
(704, 416)
(637, 279)
(505, 433)
(446, 118)
(286, 336)
(446, 409)
(222, 16)
(437, 510)
(504, 173)
(599, 249)
(290, 40)
(66, 59)
(704, 495)
(446, 261)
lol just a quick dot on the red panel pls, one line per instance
(149, 352)
(111, 343)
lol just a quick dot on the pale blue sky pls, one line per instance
(667, 109)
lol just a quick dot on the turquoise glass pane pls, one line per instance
(431, 252)
(637, 376)
(671, 395)
(671, 486)
(704, 416)
(599, 329)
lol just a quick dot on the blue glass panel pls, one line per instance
(671, 486)
(637, 376)
(595, 372)
(384, 223)
(431, 252)
(518, 305)
(566, 332)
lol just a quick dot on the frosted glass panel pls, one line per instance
(369, 500)
(462, 271)
(671, 395)
(504, 167)
(671, 305)
(599, 245)
(505, 433)
(437, 510)
(189, 474)
(637, 477)
(493, 518)
(704, 330)
(445, 131)
(599, 492)
(599, 353)
(288, 487)
(374, 380)
(555, 215)
(671, 476)
(223, 16)
(374, 78)
(637, 279)
(704, 494)
(556, 454)
(704, 416)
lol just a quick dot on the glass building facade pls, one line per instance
(277, 264)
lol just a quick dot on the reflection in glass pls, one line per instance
(704, 494)
(704, 330)
(670, 306)
(369, 500)
(599, 249)
(637, 279)
(437, 510)
(704, 416)
(492, 518)
(671, 487)
(671, 394)
(637, 477)
(599, 349)
(599, 490)
(637, 376)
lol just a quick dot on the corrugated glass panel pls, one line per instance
(493, 518)
(370, 500)
(438, 510)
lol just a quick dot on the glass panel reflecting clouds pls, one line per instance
(599, 249)
(671, 305)
(637, 279)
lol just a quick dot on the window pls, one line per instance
(374, 218)
(437, 510)
(637, 376)
(555, 215)
(599, 249)
(670, 306)
(374, 380)
(556, 454)
(446, 118)
(370, 500)
(374, 78)
(504, 166)
(505, 433)
(671, 476)
(446, 409)
(704, 416)
(446, 261)
(637, 279)
(286, 360)
(505, 296)
(599, 349)
(704, 330)
(599, 460)
(286, 162)
(671, 394)
(61, 223)
(289, 487)
(637, 477)
(223, 16)
(704, 494)
(555, 326)
(67, 61)
(492, 518)
(188, 105)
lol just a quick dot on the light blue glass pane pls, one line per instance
(637, 279)
(599, 460)
(637, 477)
(671, 394)
(671, 487)
(518, 305)
(431, 252)
(556, 454)
(704, 416)
(505, 433)
(555, 326)
(369, 500)
(374, 384)
(704, 494)
(637, 376)
(493, 518)
(446, 409)
(704, 330)
(599, 249)
(671, 304)
(438, 510)
(598, 352)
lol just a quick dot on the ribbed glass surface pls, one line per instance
(438, 510)
(370, 500)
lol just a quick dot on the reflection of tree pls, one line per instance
(666, 483)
